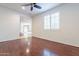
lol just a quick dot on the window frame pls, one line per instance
(52, 25)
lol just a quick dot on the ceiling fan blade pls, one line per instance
(31, 8)
(37, 6)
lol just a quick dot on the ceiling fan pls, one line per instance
(32, 5)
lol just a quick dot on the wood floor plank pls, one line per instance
(36, 47)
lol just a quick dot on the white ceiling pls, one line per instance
(18, 7)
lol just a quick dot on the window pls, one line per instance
(51, 21)
(55, 21)
(47, 22)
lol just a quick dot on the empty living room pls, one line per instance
(39, 29)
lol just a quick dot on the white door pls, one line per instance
(26, 30)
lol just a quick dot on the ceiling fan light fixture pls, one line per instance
(23, 7)
(32, 6)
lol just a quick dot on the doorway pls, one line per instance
(26, 29)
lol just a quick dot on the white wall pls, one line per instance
(25, 18)
(69, 25)
(9, 24)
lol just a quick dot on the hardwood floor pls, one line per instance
(36, 47)
(14, 47)
(40, 46)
